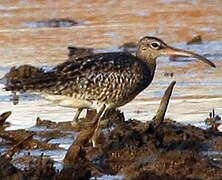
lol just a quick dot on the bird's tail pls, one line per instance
(26, 77)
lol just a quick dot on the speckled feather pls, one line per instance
(107, 78)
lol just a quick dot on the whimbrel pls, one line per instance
(113, 79)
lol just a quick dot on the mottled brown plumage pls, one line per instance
(108, 78)
(113, 79)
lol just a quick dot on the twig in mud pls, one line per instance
(213, 120)
(17, 146)
(4, 116)
(164, 103)
(17, 136)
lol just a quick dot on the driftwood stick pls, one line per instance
(4, 116)
(17, 146)
(16, 137)
(164, 103)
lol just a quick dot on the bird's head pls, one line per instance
(149, 48)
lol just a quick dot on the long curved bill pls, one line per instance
(170, 51)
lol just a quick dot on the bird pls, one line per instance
(112, 79)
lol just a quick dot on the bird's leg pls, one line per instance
(76, 117)
(96, 123)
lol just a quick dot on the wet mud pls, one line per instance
(79, 52)
(195, 40)
(51, 23)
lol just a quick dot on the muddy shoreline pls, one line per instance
(130, 148)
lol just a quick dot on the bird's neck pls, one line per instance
(149, 61)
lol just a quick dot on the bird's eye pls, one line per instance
(155, 45)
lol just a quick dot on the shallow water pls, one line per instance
(105, 26)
